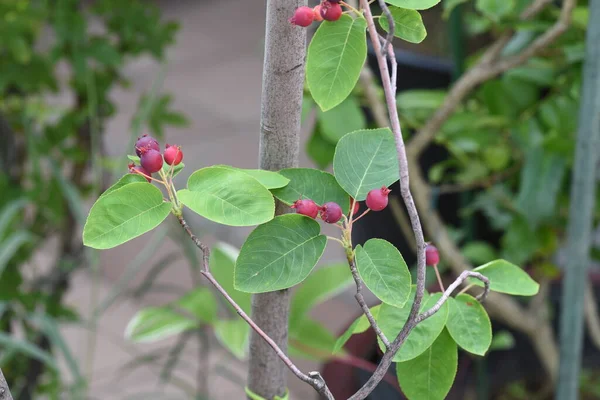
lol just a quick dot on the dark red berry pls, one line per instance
(303, 16)
(317, 13)
(432, 256)
(306, 207)
(173, 155)
(146, 142)
(151, 160)
(377, 199)
(331, 11)
(133, 169)
(331, 212)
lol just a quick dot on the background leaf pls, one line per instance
(233, 335)
(222, 265)
(507, 278)
(228, 197)
(124, 214)
(360, 325)
(384, 271)
(269, 179)
(366, 160)
(414, 4)
(336, 55)
(279, 254)
(152, 324)
(468, 324)
(344, 118)
(408, 24)
(495, 9)
(200, 303)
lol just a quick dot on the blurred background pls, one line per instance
(81, 80)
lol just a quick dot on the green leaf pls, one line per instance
(10, 245)
(413, 4)
(311, 340)
(156, 323)
(253, 396)
(450, 5)
(391, 320)
(360, 325)
(469, 325)
(478, 252)
(222, 265)
(124, 214)
(408, 24)
(228, 197)
(366, 160)
(344, 118)
(319, 150)
(336, 55)
(200, 303)
(308, 183)
(269, 179)
(321, 285)
(10, 343)
(9, 212)
(125, 180)
(279, 254)
(495, 9)
(431, 375)
(503, 340)
(507, 278)
(384, 271)
(233, 335)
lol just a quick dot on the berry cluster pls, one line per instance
(151, 159)
(328, 10)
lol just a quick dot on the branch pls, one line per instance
(313, 378)
(4, 390)
(489, 67)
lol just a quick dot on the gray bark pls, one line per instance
(583, 190)
(4, 390)
(281, 105)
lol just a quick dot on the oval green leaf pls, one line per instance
(360, 325)
(124, 214)
(156, 323)
(336, 55)
(384, 271)
(413, 4)
(222, 264)
(200, 303)
(391, 320)
(507, 278)
(233, 334)
(228, 196)
(469, 325)
(344, 118)
(125, 180)
(279, 254)
(269, 179)
(408, 24)
(366, 160)
(431, 375)
(308, 183)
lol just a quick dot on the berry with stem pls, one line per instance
(173, 155)
(146, 142)
(151, 160)
(133, 169)
(331, 11)
(432, 256)
(303, 16)
(306, 207)
(317, 13)
(377, 199)
(331, 212)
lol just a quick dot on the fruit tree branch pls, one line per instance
(313, 378)
(4, 390)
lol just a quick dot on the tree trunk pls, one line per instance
(4, 390)
(583, 189)
(281, 105)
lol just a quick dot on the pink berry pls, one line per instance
(331, 212)
(151, 160)
(432, 256)
(303, 16)
(331, 11)
(173, 155)
(317, 13)
(306, 207)
(133, 169)
(377, 199)
(146, 142)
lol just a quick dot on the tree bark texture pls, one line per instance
(4, 390)
(281, 105)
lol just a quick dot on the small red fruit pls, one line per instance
(133, 169)
(146, 142)
(151, 160)
(306, 207)
(331, 212)
(377, 199)
(331, 11)
(173, 155)
(303, 16)
(432, 256)
(317, 13)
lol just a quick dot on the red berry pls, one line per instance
(331, 11)
(331, 212)
(432, 256)
(377, 199)
(173, 155)
(146, 142)
(151, 160)
(306, 207)
(317, 13)
(303, 16)
(133, 169)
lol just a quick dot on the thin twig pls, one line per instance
(313, 378)
(439, 278)
(391, 29)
